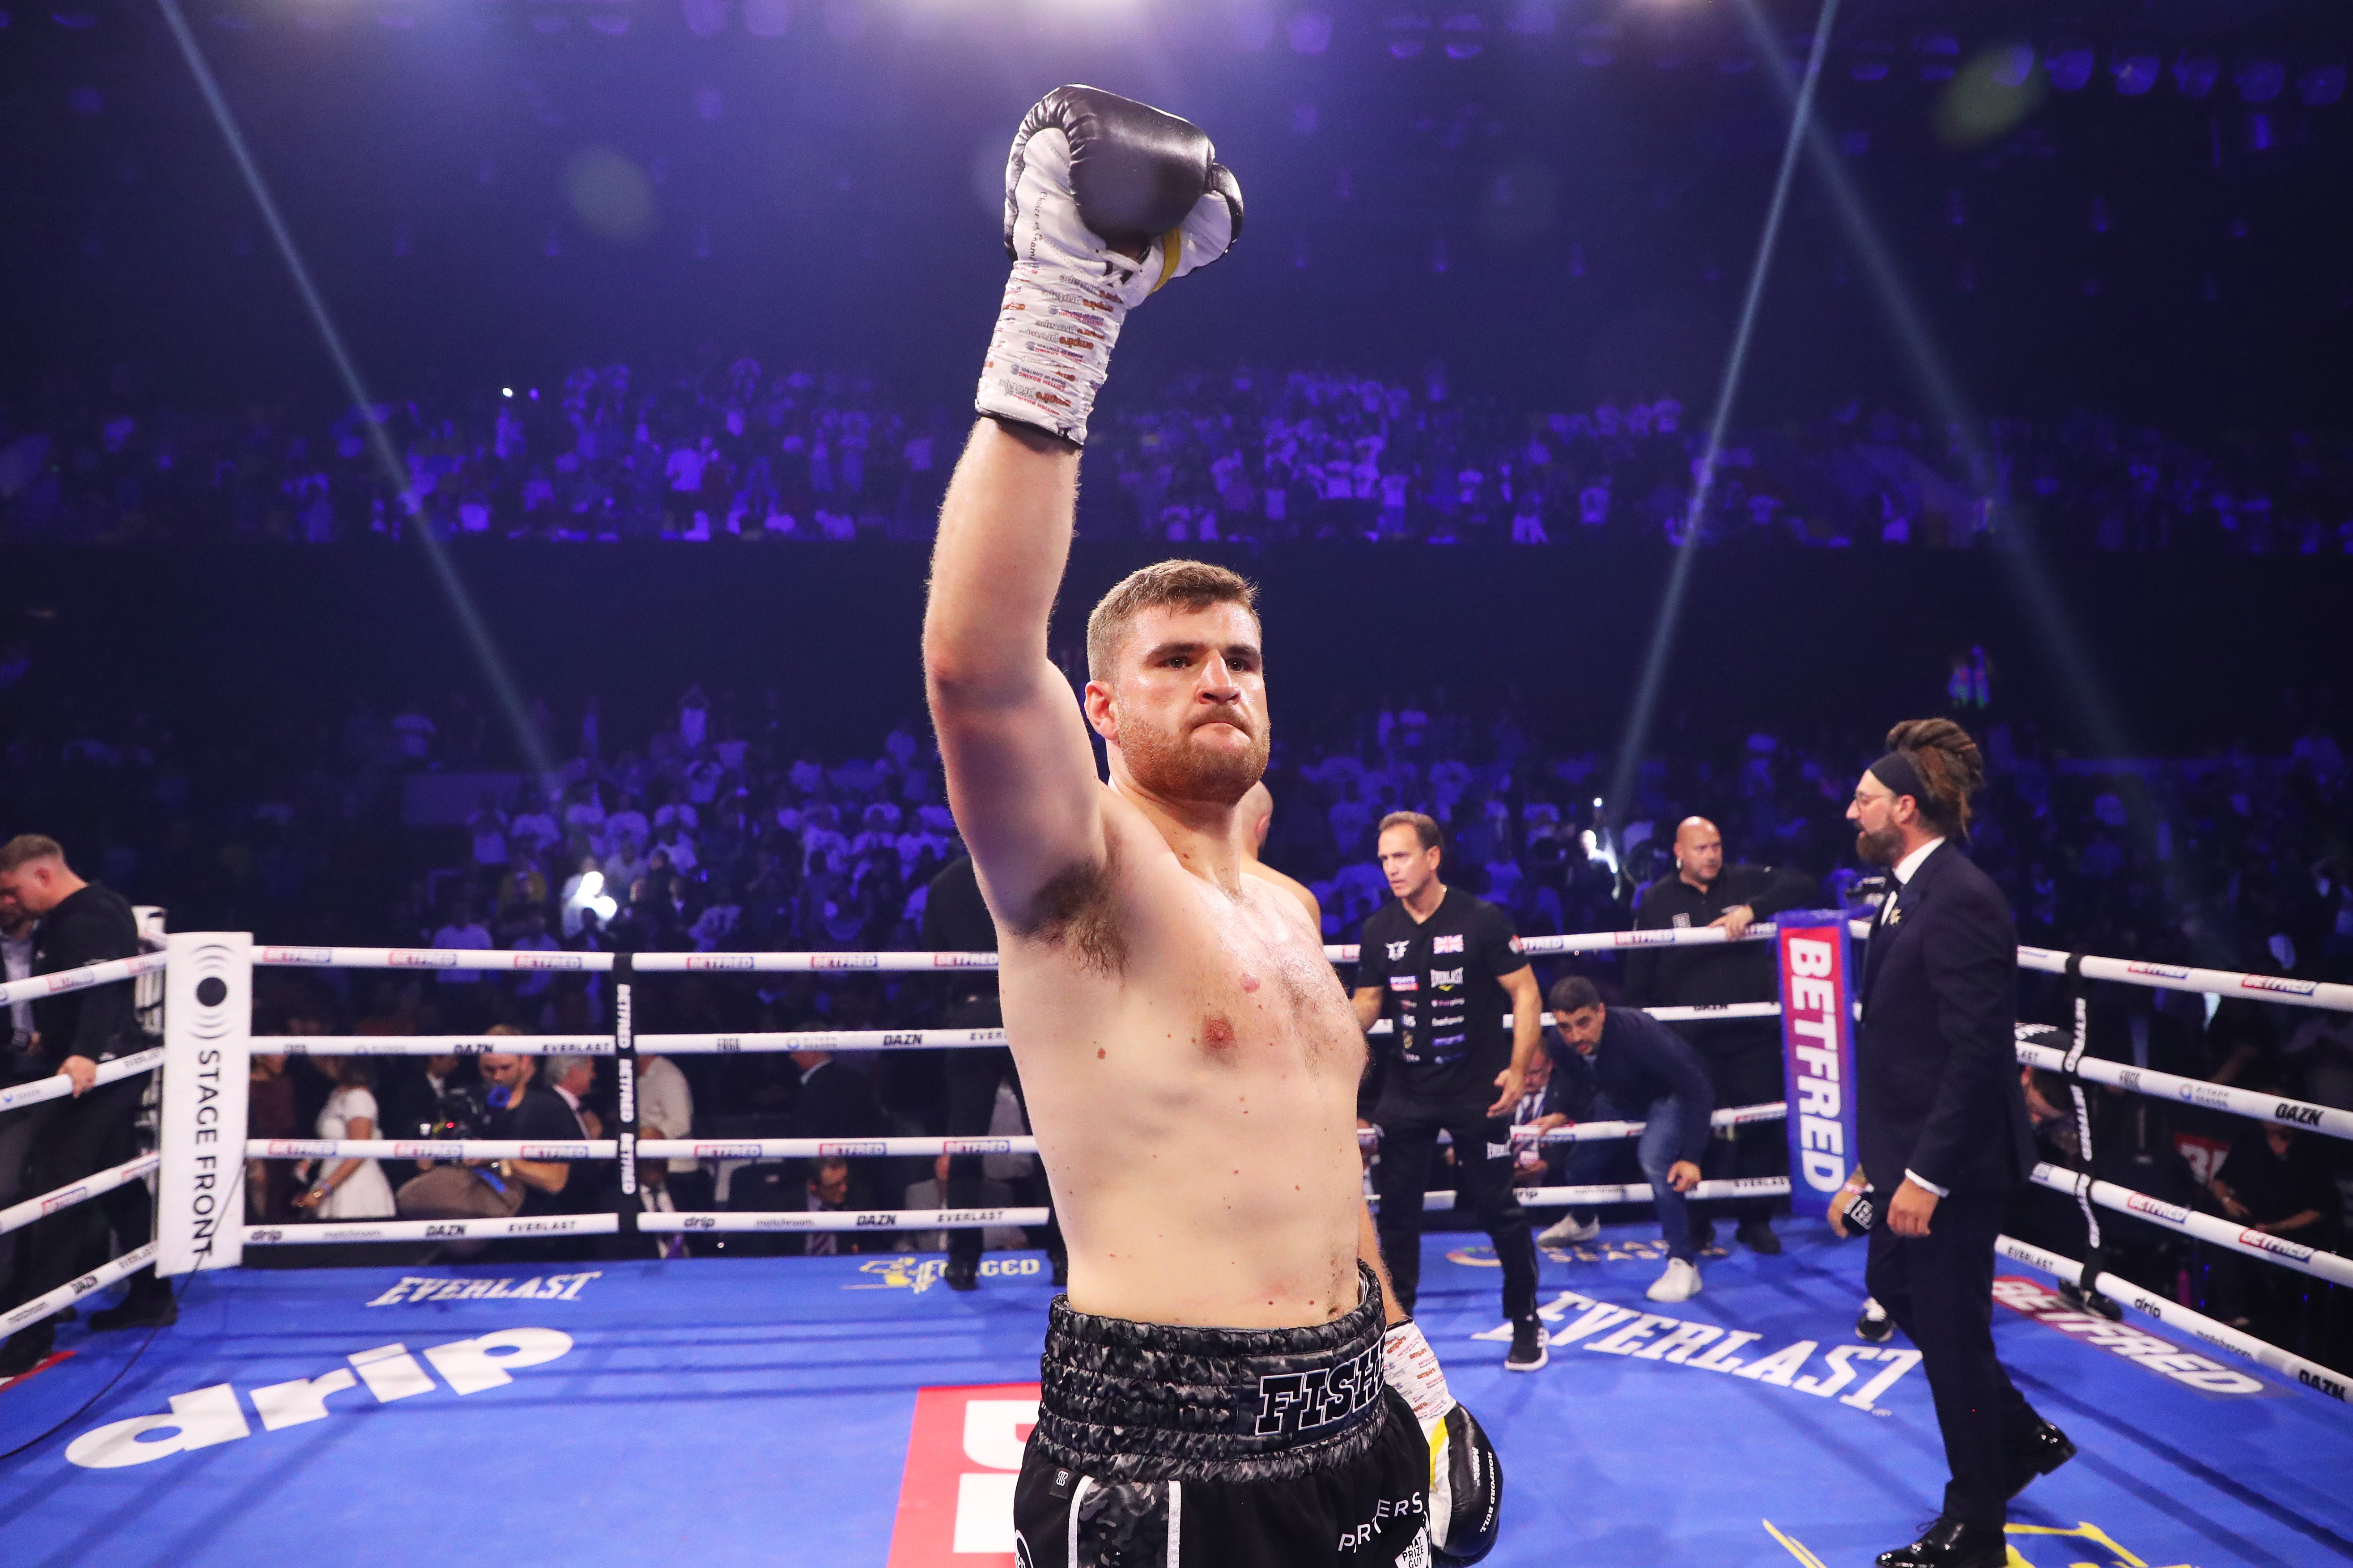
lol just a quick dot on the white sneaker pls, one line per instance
(1570, 1231)
(1679, 1283)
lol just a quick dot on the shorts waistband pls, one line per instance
(1130, 1401)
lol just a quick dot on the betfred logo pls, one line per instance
(964, 1456)
(2274, 984)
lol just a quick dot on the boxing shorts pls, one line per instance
(1160, 1447)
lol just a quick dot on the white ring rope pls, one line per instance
(2206, 982)
(103, 973)
(336, 1232)
(2175, 1315)
(2272, 1108)
(2245, 1239)
(331, 1231)
(871, 1219)
(17, 1216)
(66, 1295)
(832, 1148)
(1634, 1193)
(57, 1086)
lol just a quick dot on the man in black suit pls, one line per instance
(1942, 1127)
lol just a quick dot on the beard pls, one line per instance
(1884, 847)
(1175, 767)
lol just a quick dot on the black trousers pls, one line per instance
(20, 1130)
(973, 1077)
(1482, 1187)
(1939, 1290)
(1746, 1069)
(79, 1138)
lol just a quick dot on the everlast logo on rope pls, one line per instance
(1294, 1402)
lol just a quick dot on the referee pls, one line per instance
(74, 1033)
(1444, 967)
(1941, 1128)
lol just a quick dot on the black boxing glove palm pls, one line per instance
(1091, 176)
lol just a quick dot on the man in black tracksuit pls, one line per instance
(1742, 1056)
(75, 1033)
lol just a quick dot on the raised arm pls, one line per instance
(1106, 199)
(1020, 773)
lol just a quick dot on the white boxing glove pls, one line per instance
(1091, 177)
(1466, 1478)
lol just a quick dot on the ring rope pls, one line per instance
(17, 1216)
(58, 1085)
(2254, 1243)
(2173, 1314)
(2272, 1108)
(104, 971)
(73, 1290)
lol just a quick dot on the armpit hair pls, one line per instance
(1076, 909)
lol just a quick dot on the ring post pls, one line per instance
(626, 1206)
(1816, 961)
(200, 1131)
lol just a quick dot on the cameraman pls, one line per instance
(529, 1112)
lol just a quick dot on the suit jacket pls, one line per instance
(1936, 1057)
(837, 1101)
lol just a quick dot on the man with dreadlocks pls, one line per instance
(1942, 1126)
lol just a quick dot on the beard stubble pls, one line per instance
(1171, 766)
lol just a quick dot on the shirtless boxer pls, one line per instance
(1218, 1386)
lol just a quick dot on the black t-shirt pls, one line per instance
(1443, 997)
(539, 1116)
(89, 926)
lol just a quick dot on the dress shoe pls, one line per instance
(1702, 1235)
(1756, 1235)
(962, 1274)
(1949, 1543)
(27, 1349)
(147, 1306)
(1872, 1323)
(2044, 1450)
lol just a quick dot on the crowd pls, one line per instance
(738, 450)
(712, 828)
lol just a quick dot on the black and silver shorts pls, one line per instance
(1159, 1447)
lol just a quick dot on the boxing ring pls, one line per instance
(852, 1409)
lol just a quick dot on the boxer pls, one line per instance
(1225, 1383)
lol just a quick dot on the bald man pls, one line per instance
(1252, 819)
(1742, 1056)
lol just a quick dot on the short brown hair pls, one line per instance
(1950, 769)
(1425, 827)
(1193, 585)
(27, 848)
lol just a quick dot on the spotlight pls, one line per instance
(506, 391)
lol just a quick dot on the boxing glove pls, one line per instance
(1466, 1478)
(1106, 200)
